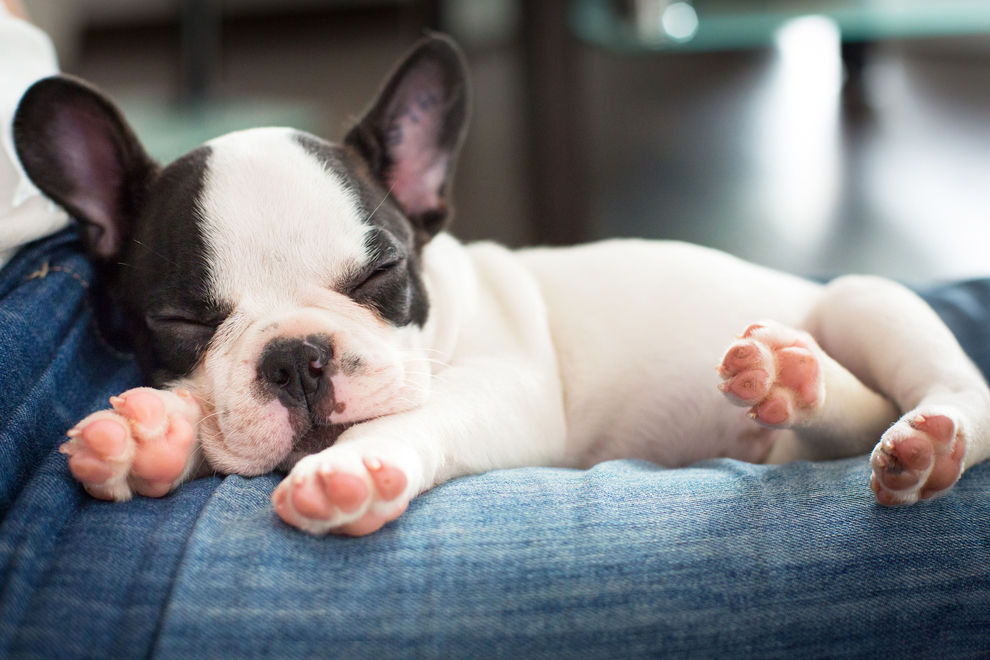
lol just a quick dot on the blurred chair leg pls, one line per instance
(200, 29)
(558, 195)
(856, 109)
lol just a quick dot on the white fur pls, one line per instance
(282, 233)
(276, 222)
(577, 355)
(540, 357)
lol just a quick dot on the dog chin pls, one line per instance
(312, 441)
(258, 437)
(234, 444)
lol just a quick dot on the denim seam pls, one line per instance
(46, 269)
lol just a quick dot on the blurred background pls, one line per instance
(815, 136)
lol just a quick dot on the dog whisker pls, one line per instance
(372, 214)
(155, 252)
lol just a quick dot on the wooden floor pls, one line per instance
(769, 158)
(760, 153)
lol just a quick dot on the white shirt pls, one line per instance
(26, 54)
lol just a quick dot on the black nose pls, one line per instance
(295, 368)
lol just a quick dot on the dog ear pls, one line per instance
(76, 147)
(412, 134)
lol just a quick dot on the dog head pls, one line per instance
(277, 275)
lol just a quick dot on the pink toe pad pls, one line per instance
(798, 370)
(310, 500)
(160, 461)
(89, 469)
(774, 411)
(389, 481)
(346, 491)
(941, 428)
(143, 407)
(106, 437)
(741, 357)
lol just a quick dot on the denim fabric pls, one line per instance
(623, 560)
(79, 577)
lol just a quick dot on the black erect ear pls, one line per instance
(77, 148)
(412, 134)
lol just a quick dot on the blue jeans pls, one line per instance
(626, 559)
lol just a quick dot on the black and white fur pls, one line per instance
(306, 296)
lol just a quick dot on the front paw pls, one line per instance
(142, 445)
(340, 491)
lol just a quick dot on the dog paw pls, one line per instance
(918, 457)
(341, 492)
(142, 445)
(776, 372)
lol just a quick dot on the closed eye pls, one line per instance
(178, 338)
(179, 322)
(378, 273)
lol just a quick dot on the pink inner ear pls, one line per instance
(92, 165)
(416, 180)
(419, 164)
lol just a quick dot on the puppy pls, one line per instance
(301, 309)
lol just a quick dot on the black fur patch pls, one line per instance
(163, 283)
(392, 285)
(423, 104)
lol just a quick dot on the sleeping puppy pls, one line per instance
(300, 308)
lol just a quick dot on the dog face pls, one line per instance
(277, 275)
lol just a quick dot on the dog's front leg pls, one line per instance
(494, 413)
(145, 444)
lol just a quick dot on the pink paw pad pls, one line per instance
(105, 437)
(98, 450)
(389, 481)
(143, 444)
(161, 458)
(918, 457)
(797, 370)
(327, 499)
(743, 356)
(774, 411)
(140, 407)
(318, 495)
(774, 371)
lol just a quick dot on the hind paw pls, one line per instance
(776, 372)
(918, 457)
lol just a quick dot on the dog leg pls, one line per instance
(787, 381)
(345, 490)
(498, 413)
(897, 345)
(145, 444)
(499, 404)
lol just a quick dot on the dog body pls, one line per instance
(301, 309)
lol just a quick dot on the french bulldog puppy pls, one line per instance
(299, 307)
